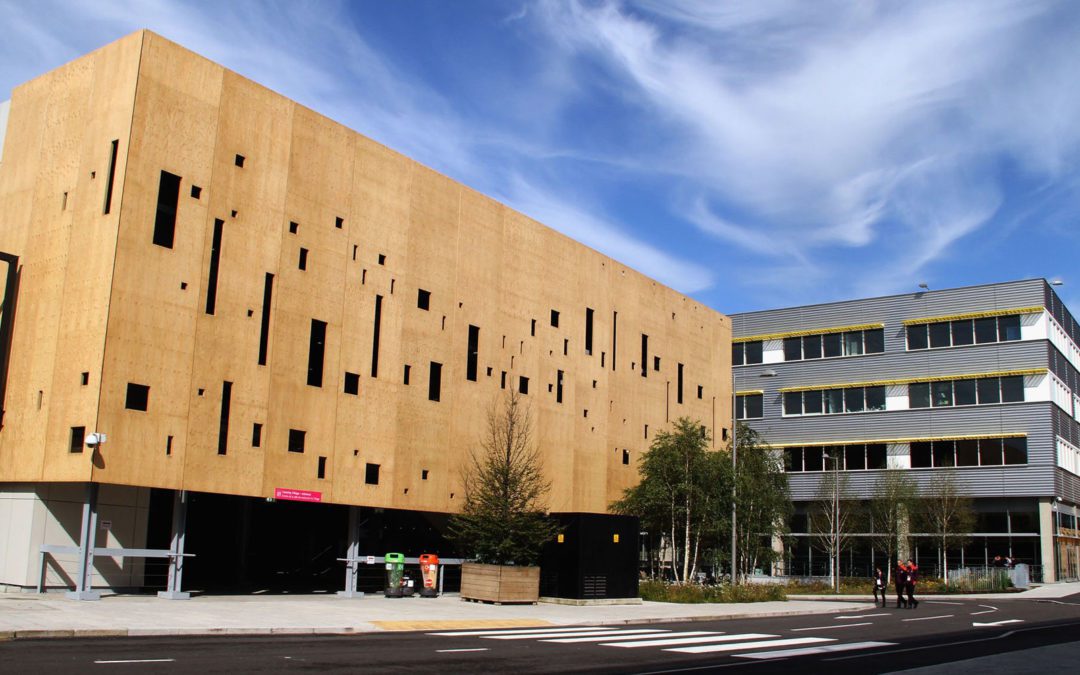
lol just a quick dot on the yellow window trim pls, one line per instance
(887, 441)
(913, 380)
(750, 392)
(974, 315)
(810, 331)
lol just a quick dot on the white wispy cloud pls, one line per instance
(824, 123)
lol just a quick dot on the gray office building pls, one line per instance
(980, 382)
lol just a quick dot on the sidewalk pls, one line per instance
(52, 615)
(1042, 592)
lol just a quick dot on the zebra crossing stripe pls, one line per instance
(621, 635)
(676, 640)
(519, 631)
(707, 649)
(806, 651)
(537, 636)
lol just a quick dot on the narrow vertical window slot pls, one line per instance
(679, 388)
(302, 263)
(215, 260)
(435, 382)
(256, 435)
(375, 337)
(112, 176)
(614, 337)
(408, 370)
(558, 386)
(168, 445)
(264, 328)
(223, 427)
(322, 468)
(165, 216)
(316, 353)
(644, 355)
(473, 353)
(588, 330)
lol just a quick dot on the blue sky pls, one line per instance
(750, 153)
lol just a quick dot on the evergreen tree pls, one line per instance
(503, 521)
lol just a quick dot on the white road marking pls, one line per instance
(861, 616)
(806, 651)
(942, 602)
(985, 611)
(455, 651)
(536, 636)
(139, 661)
(976, 624)
(834, 626)
(929, 618)
(519, 631)
(630, 635)
(708, 649)
(715, 637)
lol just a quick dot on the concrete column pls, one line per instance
(87, 534)
(1046, 539)
(352, 562)
(176, 562)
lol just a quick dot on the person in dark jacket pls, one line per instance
(909, 584)
(879, 585)
(900, 582)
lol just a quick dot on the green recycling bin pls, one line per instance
(395, 568)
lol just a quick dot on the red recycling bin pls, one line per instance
(429, 570)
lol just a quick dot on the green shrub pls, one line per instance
(662, 591)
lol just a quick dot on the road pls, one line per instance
(1018, 636)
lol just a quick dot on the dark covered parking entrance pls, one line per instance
(250, 545)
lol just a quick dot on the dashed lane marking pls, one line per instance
(808, 651)
(137, 661)
(861, 616)
(929, 618)
(456, 651)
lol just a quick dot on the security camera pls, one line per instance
(95, 439)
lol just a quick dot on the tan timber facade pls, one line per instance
(246, 296)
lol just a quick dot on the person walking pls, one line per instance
(900, 582)
(879, 586)
(909, 584)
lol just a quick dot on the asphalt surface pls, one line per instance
(1006, 635)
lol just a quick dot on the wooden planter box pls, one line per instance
(500, 583)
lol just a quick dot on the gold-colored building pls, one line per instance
(250, 299)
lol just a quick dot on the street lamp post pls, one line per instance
(734, 474)
(836, 519)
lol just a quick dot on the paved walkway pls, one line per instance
(33, 616)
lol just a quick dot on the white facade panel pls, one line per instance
(772, 351)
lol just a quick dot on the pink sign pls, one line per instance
(291, 495)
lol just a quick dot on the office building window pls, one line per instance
(743, 353)
(963, 332)
(968, 452)
(854, 457)
(970, 391)
(834, 401)
(847, 343)
(749, 406)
